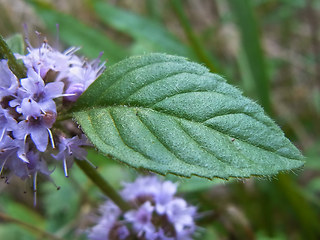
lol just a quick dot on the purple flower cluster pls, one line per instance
(28, 110)
(157, 214)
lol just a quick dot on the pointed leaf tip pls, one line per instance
(168, 115)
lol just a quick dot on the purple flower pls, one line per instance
(7, 122)
(13, 157)
(10, 147)
(158, 214)
(149, 186)
(33, 87)
(28, 169)
(70, 148)
(141, 219)
(75, 72)
(37, 164)
(181, 215)
(29, 109)
(8, 81)
(43, 59)
(79, 76)
(74, 91)
(37, 108)
(36, 125)
(110, 213)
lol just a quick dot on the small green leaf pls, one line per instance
(168, 115)
(16, 43)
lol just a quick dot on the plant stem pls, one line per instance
(103, 185)
(41, 233)
(5, 53)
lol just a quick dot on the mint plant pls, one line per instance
(155, 112)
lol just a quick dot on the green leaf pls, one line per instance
(14, 232)
(168, 115)
(16, 43)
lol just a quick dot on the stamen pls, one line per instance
(2, 134)
(57, 187)
(2, 166)
(26, 36)
(68, 94)
(39, 42)
(51, 138)
(96, 61)
(7, 180)
(71, 50)
(65, 167)
(25, 136)
(101, 68)
(25, 188)
(24, 158)
(52, 181)
(57, 44)
(88, 161)
(35, 189)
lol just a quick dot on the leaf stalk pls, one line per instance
(103, 185)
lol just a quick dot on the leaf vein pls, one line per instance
(95, 131)
(122, 139)
(232, 145)
(224, 133)
(186, 92)
(162, 143)
(131, 70)
(199, 144)
(155, 81)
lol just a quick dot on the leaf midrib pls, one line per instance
(210, 127)
(139, 152)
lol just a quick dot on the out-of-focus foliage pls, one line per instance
(268, 48)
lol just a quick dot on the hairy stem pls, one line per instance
(103, 185)
(41, 233)
(5, 53)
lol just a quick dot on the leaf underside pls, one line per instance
(168, 115)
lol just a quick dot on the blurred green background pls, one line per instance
(268, 48)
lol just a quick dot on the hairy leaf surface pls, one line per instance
(168, 115)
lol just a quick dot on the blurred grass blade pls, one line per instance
(74, 32)
(34, 229)
(141, 29)
(248, 28)
(196, 44)
(152, 7)
(303, 211)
